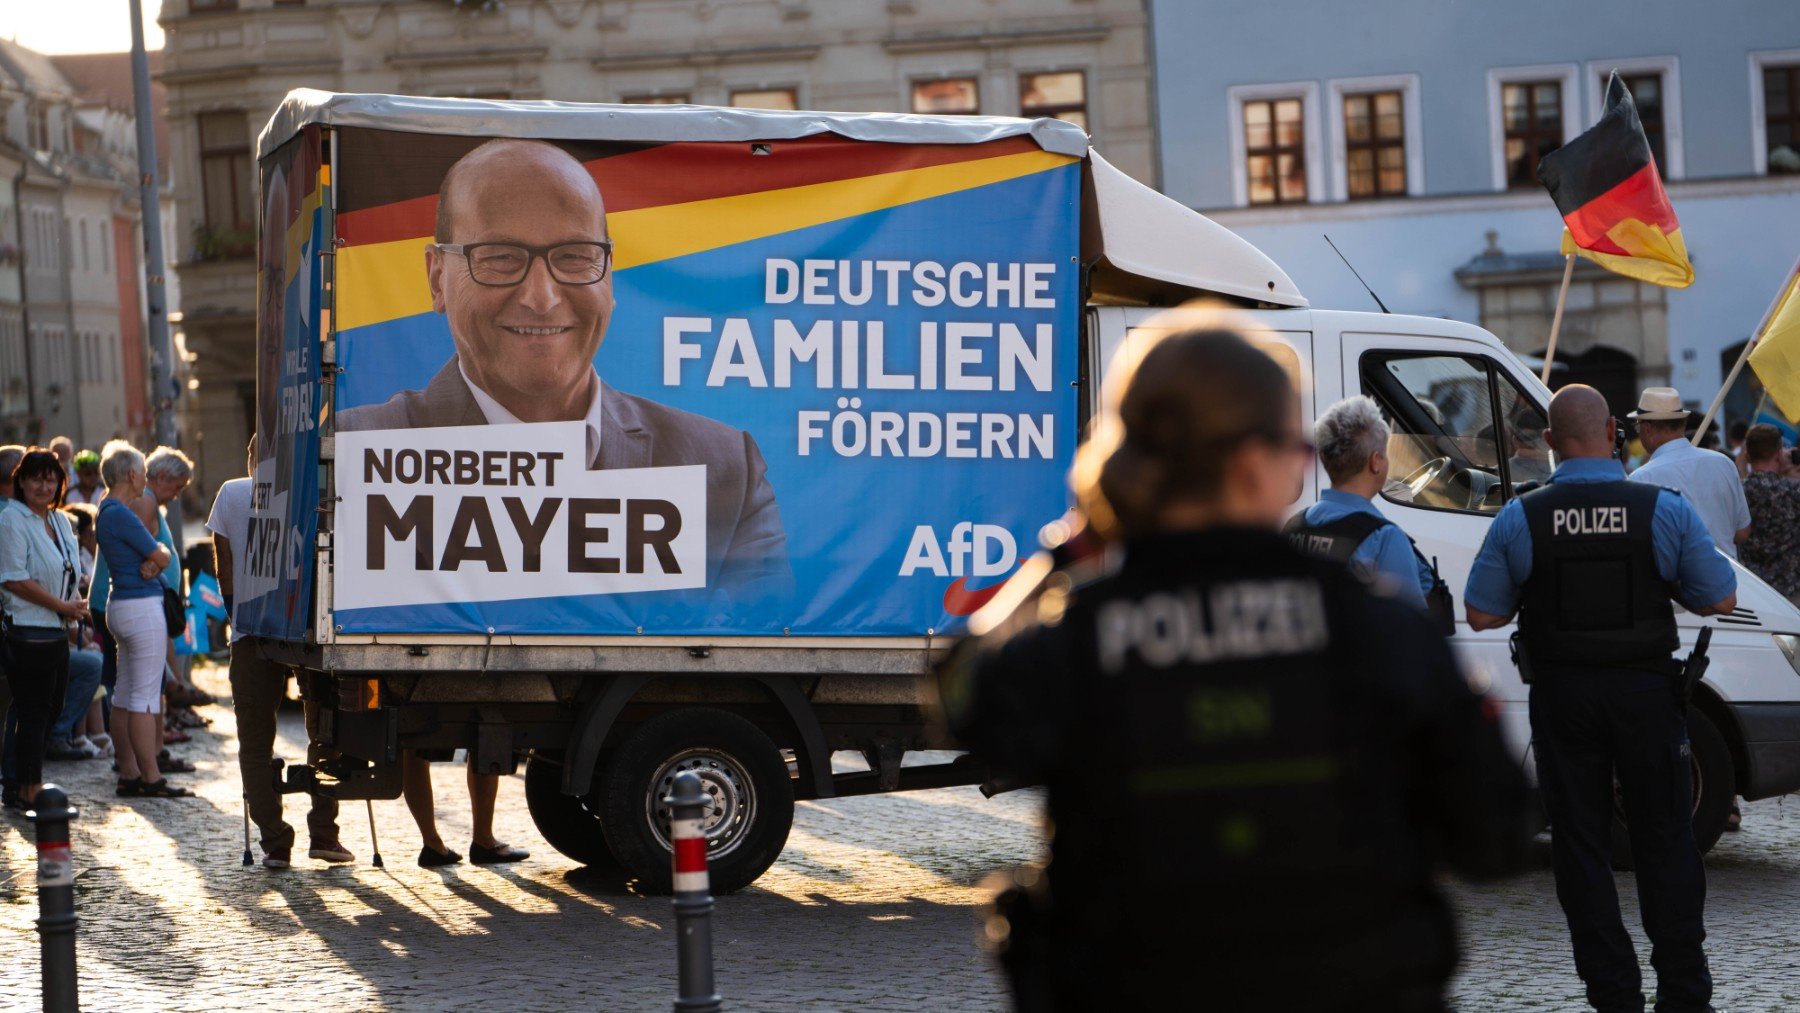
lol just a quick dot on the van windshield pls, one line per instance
(1464, 436)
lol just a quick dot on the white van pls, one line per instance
(1448, 388)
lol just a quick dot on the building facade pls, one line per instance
(1409, 132)
(70, 343)
(229, 62)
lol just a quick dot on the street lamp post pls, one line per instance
(162, 348)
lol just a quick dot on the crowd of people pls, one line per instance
(89, 571)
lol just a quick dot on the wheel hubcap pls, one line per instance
(730, 798)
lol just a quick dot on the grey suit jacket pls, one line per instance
(746, 545)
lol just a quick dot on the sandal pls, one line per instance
(163, 789)
(129, 787)
(172, 736)
(175, 765)
(184, 717)
(188, 696)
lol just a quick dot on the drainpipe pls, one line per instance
(24, 295)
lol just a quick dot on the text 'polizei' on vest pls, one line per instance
(1228, 622)
(1611, 520)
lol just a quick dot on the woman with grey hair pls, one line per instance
(167, 472)
(134, 617)
(1345, 524)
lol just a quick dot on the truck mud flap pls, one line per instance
(1772, 745)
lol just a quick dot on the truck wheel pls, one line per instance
(746, 822)
(569, 824)
(1715, 784)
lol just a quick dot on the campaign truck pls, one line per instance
(632, 440)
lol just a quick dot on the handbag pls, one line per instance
(174, 611)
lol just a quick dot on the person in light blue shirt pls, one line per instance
(1589, 564)
(1707, 479)
(1352, 438)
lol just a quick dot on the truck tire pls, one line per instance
(1715, 786)
(741, 769)
(569, 824)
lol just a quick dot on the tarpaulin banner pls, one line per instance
(273, 597)
(805, 387)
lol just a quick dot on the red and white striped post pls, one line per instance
(693, 895)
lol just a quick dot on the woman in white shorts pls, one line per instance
(134, 617)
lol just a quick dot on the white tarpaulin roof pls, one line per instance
(1149, 249)
(1157, 251)
(592, 121)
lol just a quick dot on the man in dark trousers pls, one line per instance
(1253, 764)
(1588, 563)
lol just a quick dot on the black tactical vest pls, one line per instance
(1338, 540)
(1594, 596)
(1334, 540)
(1205, 745)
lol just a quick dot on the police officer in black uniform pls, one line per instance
(1253, 764)
(1589, 563)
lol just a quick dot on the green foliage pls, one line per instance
(212, 244)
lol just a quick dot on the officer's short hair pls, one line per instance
(1173, 411)
(1347, 434)
(1761, 442)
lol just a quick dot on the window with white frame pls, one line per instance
(1532, 111)
(1276, 153)
(1376, 145)
(1775, 112)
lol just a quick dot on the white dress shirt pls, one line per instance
(1710, 482)
(497, 415)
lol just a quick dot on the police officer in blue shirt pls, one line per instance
(1345, 526)
(1589, 563)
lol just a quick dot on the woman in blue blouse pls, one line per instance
(134, 616)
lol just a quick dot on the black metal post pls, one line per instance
(56, 898)
(693, 895)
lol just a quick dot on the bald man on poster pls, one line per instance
(521, 269)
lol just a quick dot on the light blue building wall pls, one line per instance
(1450, 61)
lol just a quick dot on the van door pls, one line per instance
(1284, 334)
(1467, 438)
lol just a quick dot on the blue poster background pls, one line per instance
(849, 520)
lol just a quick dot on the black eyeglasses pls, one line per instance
(504, 264)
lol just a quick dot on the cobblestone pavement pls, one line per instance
(872, 906)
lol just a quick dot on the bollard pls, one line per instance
(693, 895)
(56, 898)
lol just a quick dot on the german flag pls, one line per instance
(1612, 199)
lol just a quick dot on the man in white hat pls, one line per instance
(1707, 478)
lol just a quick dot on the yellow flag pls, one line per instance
(1776, 357)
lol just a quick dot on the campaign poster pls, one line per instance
(274, 594)
(803, 387)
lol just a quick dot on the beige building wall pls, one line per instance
(226, 61)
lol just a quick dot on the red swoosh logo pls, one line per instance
(960, 600)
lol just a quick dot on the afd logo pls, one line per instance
(971, 550)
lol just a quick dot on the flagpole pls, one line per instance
(1556, 320)
(1744, 356)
